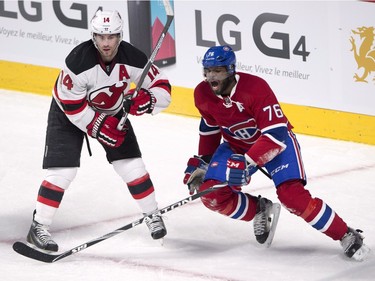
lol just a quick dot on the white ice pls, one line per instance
(201, 245)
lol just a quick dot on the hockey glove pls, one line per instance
(194, 173)
(143, 102)
(103, 128)
(238, 171)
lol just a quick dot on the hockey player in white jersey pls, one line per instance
(89, 97)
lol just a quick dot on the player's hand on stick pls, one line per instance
(103, 128)
(143, 102)
(239, 171)
(194, 173)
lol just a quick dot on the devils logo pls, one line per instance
(108, 100)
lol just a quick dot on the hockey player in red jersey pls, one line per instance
(242, 110)
(89, 97)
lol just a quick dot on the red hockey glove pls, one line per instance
(143, 102)
(194, 173)
(238, 171)
(103, 128)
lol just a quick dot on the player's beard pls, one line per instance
(223, 89)
(108, 56)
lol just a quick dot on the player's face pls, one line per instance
(107, 45)
(217, 78)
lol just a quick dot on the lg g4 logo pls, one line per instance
(36, 12)
(287, 49)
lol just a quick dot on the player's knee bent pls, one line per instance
(215, 200)
(294, 196)
(61, 177)
(130, 169)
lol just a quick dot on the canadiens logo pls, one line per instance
(214, 164)
(108, 99)
(246, 131)
(364, 54)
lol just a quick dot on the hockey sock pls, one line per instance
(48, 201)
(230, 203)
(143, 192)
(314, 211)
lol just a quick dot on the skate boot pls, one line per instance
(353, 246)
(156, 226)
(40, 238)
(265, 221)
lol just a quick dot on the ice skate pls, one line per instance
(39, 237)
(156, 226)
(265, 221)
(353, 246)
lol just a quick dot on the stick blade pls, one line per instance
(29, 252)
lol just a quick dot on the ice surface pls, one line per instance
(201, 245)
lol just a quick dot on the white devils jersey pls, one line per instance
(108, 99)
(86, 85)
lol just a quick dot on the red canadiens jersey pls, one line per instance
(86, 85)
(250, 112)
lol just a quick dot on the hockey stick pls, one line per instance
(264, 172)
(32, 253)
(147, 67)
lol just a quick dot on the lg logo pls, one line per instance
(285, 52)
(36, 15)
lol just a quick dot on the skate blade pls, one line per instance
(362, 253)
(275, 213)
(39, 249)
